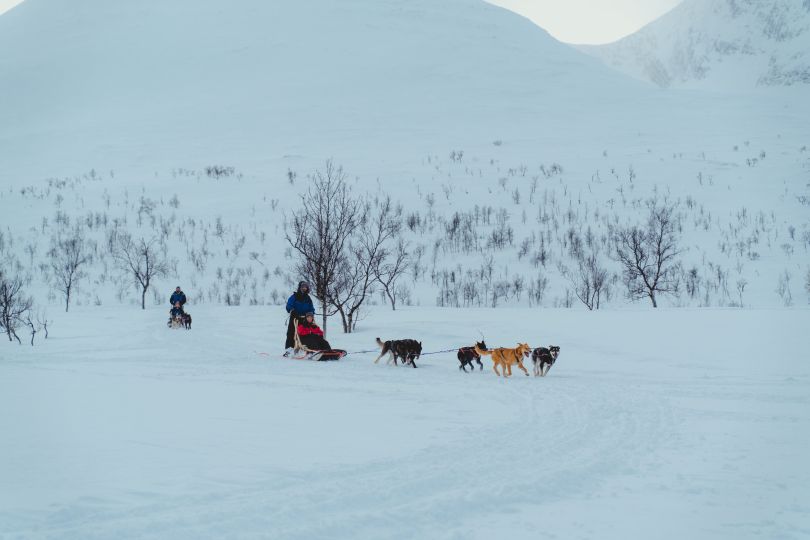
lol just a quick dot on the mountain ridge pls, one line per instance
(718, 43)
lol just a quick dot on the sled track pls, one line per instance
(558, 438)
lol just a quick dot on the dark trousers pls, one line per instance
(316, 343)
(294, 320)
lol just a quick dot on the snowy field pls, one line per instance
(653, 424)
(504, 152)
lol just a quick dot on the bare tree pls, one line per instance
(648, 254)
(390, 268)
(68, 255)
(589, 280)
(14, 303)
(33, 324)
(320, 230)
(140, 259)
(355, 277)
(43, 322)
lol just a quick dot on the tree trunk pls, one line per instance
(652, 299)
(345, 321)
(391, 299)
(143, 297)
(67, 300)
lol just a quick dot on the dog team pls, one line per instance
(408, 351)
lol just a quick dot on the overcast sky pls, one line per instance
(8, 4)
(589, 21)
(572, 21)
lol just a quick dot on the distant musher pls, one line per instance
(178, 296)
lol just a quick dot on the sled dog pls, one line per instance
(406, 350)
(543, 358)
(506, 358)
(466, 356)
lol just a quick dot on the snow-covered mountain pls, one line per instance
(102, 82)
(469, 117)
(718, 43)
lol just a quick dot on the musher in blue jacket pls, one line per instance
(178, 296)
(298, 305)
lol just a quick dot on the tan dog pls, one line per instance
(506, 358)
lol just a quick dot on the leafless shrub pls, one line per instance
(219, 171)
(589, 279)
(783, 288)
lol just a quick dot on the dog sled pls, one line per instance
(302, 352)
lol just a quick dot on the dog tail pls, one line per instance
(380, 343)
(482, 352)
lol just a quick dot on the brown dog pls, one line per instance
(506, 358)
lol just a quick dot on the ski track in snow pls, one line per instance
(218, 441)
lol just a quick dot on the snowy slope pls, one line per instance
(183, 82)
(729, 44)
(665, 425)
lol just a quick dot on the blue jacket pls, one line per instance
(178, 297)
(300, 303)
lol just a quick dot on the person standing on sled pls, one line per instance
(178, 296)
(311, 334)
(298, 305)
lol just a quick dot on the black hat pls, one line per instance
(303, 284)
(308, 313)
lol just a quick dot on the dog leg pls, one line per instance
(378, 358)
(521, 366)
(481, 366)
(495, 368)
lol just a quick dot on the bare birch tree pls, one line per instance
(377, 227)
(392, 265)
(68, 255)
(14, 303)
(648, 253)
(141, 259)
(319, 231)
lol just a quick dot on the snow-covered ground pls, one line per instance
(687, 421)
(653, 424)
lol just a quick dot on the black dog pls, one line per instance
(544, 358)
(406, 350)
(466, 355)
(187, 321)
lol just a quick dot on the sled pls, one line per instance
(302, 352)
